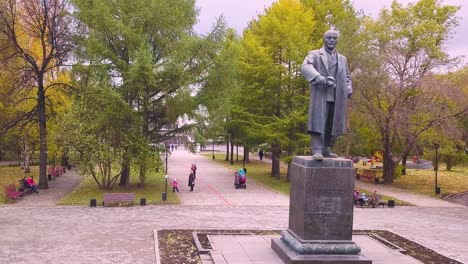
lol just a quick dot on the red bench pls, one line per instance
(11, 192)
(59, 169)
(117, 198)
(51, 171)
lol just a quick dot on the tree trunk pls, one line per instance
(27, 159)
(227, 150)
(142, 175)
(232, 153)
(388, 163)
(145, 129)
(275, 165)
(41, 107)
(246, 154)
(449, 165)
(403, 163)
(237, 152)
(125, 176)
(290, 153)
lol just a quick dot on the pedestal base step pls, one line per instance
(289, 256)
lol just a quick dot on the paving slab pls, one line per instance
(257, 249)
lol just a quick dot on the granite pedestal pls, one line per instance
(320, 214)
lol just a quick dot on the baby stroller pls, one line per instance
(240, 178)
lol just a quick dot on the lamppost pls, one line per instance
(213, 150)
(164, 195)
(436, 168)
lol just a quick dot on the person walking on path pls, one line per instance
(194, 171)
(260, 154)
(174, 185)
(191, 181)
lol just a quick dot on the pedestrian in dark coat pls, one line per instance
(191, 181)
(194, 171)
(260, 154)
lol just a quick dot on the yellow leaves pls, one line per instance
(285, 28)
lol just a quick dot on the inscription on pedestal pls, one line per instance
(321, 204)
(320, 214)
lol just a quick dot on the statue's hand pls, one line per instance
(320, 80)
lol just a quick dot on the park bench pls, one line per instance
(59, 169)
(117, 198)
(370, 175)
(11, 192)
(52, 172)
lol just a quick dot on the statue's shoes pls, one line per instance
(317, 156)
(328, 154)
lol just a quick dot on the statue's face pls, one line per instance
(330, 41)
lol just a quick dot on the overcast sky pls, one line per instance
(239, 12)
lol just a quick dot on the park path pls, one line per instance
(215, 183)
(400, 194)
(58, 188)
(412, 198)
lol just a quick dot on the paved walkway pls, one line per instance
(76, 234)
(412, 198)
(58, 188)
(215, 184)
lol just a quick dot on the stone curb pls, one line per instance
(156, 247)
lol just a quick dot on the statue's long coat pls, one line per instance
(316, 63)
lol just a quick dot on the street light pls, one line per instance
(436, 168)
(213, 150)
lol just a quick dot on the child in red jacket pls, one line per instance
(174, 185)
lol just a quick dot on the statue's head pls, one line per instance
(330, 38)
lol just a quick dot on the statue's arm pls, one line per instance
(349, 82)
(308, 69)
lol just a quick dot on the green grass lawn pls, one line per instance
(9, 175)
(154, 187)
(423, 181)
(257, 170)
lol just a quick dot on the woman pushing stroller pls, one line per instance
(240, 178)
